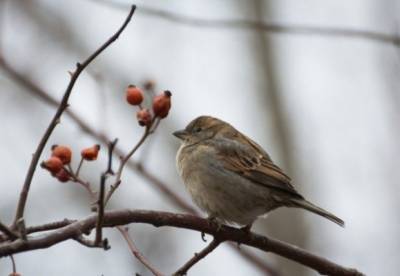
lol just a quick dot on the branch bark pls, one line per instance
(8, 232)
(158, 219)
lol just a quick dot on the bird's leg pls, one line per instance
(213, 221)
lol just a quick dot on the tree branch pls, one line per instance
(100, 211)
(61, 108)
(197, 257)
(243, 24)
(8, 232)
(158, 219)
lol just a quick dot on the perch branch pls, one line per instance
(158, 219)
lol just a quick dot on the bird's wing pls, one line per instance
(246, 158)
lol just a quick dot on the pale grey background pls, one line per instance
(339, 97)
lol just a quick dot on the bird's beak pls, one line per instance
(181, 134)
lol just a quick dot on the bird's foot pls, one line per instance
(203, 236)
(213, 222)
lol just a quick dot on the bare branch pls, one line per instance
(158, 219)
(252, 25)
(123, 162)
(124, 232)
(100, 210)
(49, 226)
(197, 257)
(61, 108)
(14, 266)
(111, 147)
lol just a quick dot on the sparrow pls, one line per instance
(231, 177)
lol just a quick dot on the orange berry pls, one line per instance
(134, 95)
(63, 176)
(62, 152)
(162, 104)
(53, 164)
(91, 153)
(144, 117)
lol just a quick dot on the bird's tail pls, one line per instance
(302, 203)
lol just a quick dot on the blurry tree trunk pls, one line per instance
(287, 225)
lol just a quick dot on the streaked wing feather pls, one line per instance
(252, 162)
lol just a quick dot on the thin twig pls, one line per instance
(274, 28)
(197, 257)
(158, 219)
(8, 232)
(75, 178)
(79, 167)
(14, 266)
(132, 247)
(100, 200)
(123, 162)
(62, 107)
(20, 226)
(100, 211)
(111, 147)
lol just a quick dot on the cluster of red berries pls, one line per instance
(61, 156)
(161, 105)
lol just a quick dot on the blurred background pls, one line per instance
(323, 104)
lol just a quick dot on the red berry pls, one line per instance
(162, 104)
(144, 117)
(134, 95)
(62, 152)
(63, 176)
(91, 153)
(53, 164)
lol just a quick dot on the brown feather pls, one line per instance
(249, 160)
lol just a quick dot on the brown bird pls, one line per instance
(231, 177)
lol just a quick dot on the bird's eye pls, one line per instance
(197, 129)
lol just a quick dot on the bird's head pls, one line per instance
(203, 128)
